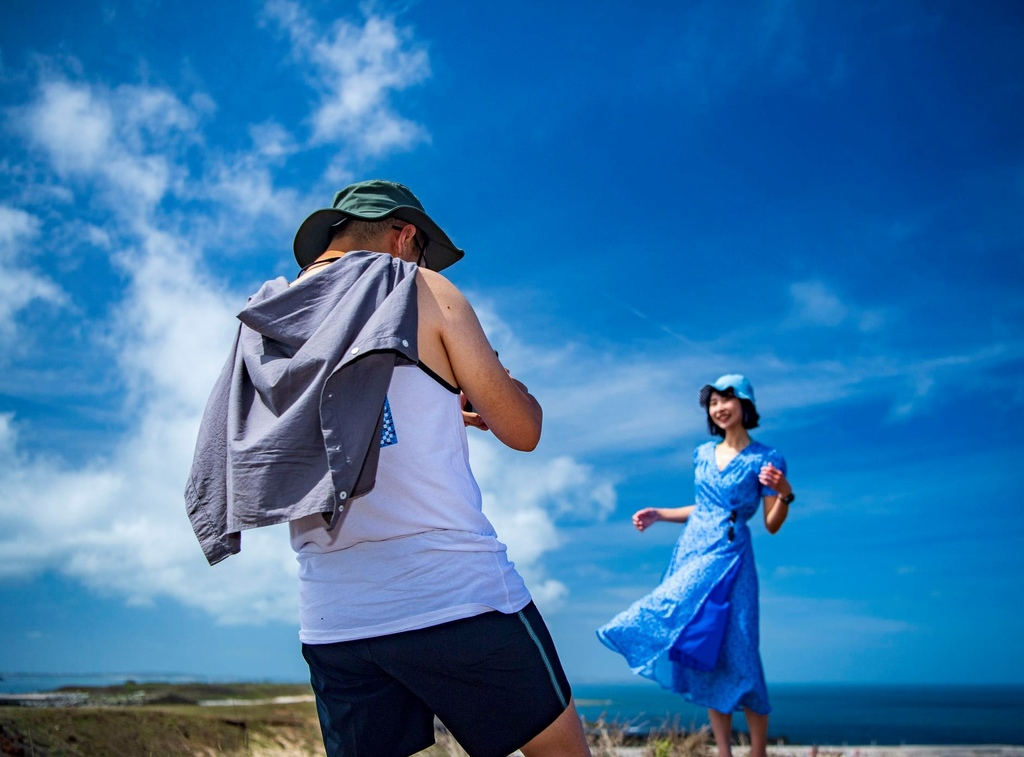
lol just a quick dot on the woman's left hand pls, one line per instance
(774, 479)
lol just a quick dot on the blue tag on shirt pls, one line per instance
(387, 430)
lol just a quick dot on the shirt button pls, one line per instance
(355, 350)
(405, 342)
(341, 508)
(330, 396)
(342, 496)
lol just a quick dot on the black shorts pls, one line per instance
(493, 680)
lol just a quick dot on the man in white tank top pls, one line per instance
(410, 606)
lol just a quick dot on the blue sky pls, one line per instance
(828, 198)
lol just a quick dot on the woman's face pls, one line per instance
(726, 412)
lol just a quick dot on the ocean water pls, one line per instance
(21, 683)
(836, 714)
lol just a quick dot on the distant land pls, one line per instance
(130, 717)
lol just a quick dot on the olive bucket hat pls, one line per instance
(372, 201)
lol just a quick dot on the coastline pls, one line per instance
(838, 715)
(167, 715)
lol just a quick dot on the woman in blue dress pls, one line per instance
(697, 632)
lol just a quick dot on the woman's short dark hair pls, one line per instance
(750, 417)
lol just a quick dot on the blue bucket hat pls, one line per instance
(740, 386)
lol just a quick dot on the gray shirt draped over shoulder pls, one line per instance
(293, 424)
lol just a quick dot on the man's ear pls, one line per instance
(404, 239)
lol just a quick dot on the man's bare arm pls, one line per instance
(511, 413)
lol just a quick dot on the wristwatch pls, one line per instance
(787, 499)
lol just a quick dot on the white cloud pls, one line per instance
(15, 226)
(525, 496)
(833, 618)
(785, 571)
(122, 523)
(919, 387)
(126, 137)
(598, 401)
(801, 636)
(272, 140)
(117, 522)
(8, 435)
(122, 520)
(814, 303)
(20, 285)
(129, 145)
(355, 70)
(718, 46)
(71, 126)
(639, 398)
(244, 186)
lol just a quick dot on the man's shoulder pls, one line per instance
(433, 279)
(439, 288)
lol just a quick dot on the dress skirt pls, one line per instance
(697, 632)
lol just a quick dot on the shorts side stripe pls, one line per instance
(544, 657)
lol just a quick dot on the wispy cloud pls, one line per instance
(20, 285)
(714, 50)
(125, 137)
(817, 304)
(355, 69)
(123, 520)
(642, 397)
(123, 527)
(786, 571)
(803, 636)
(121, 517)
(719, 47)
(157, 211)
(528, 496)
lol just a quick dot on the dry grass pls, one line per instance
(607, 739)
(675, 742)
(166, 721)
(667, 740)
(167, 731)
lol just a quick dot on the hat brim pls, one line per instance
(314, 235)
(704, 396)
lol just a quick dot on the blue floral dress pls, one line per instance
(697, 632)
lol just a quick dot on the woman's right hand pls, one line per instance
(645, 517)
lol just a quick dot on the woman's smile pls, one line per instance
(725, 411)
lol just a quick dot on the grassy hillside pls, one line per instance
(223, 720)
(165, 719)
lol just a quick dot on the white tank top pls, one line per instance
(417, 550)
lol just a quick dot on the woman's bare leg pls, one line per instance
(721, 726)
(758, 727)
(563, 738)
